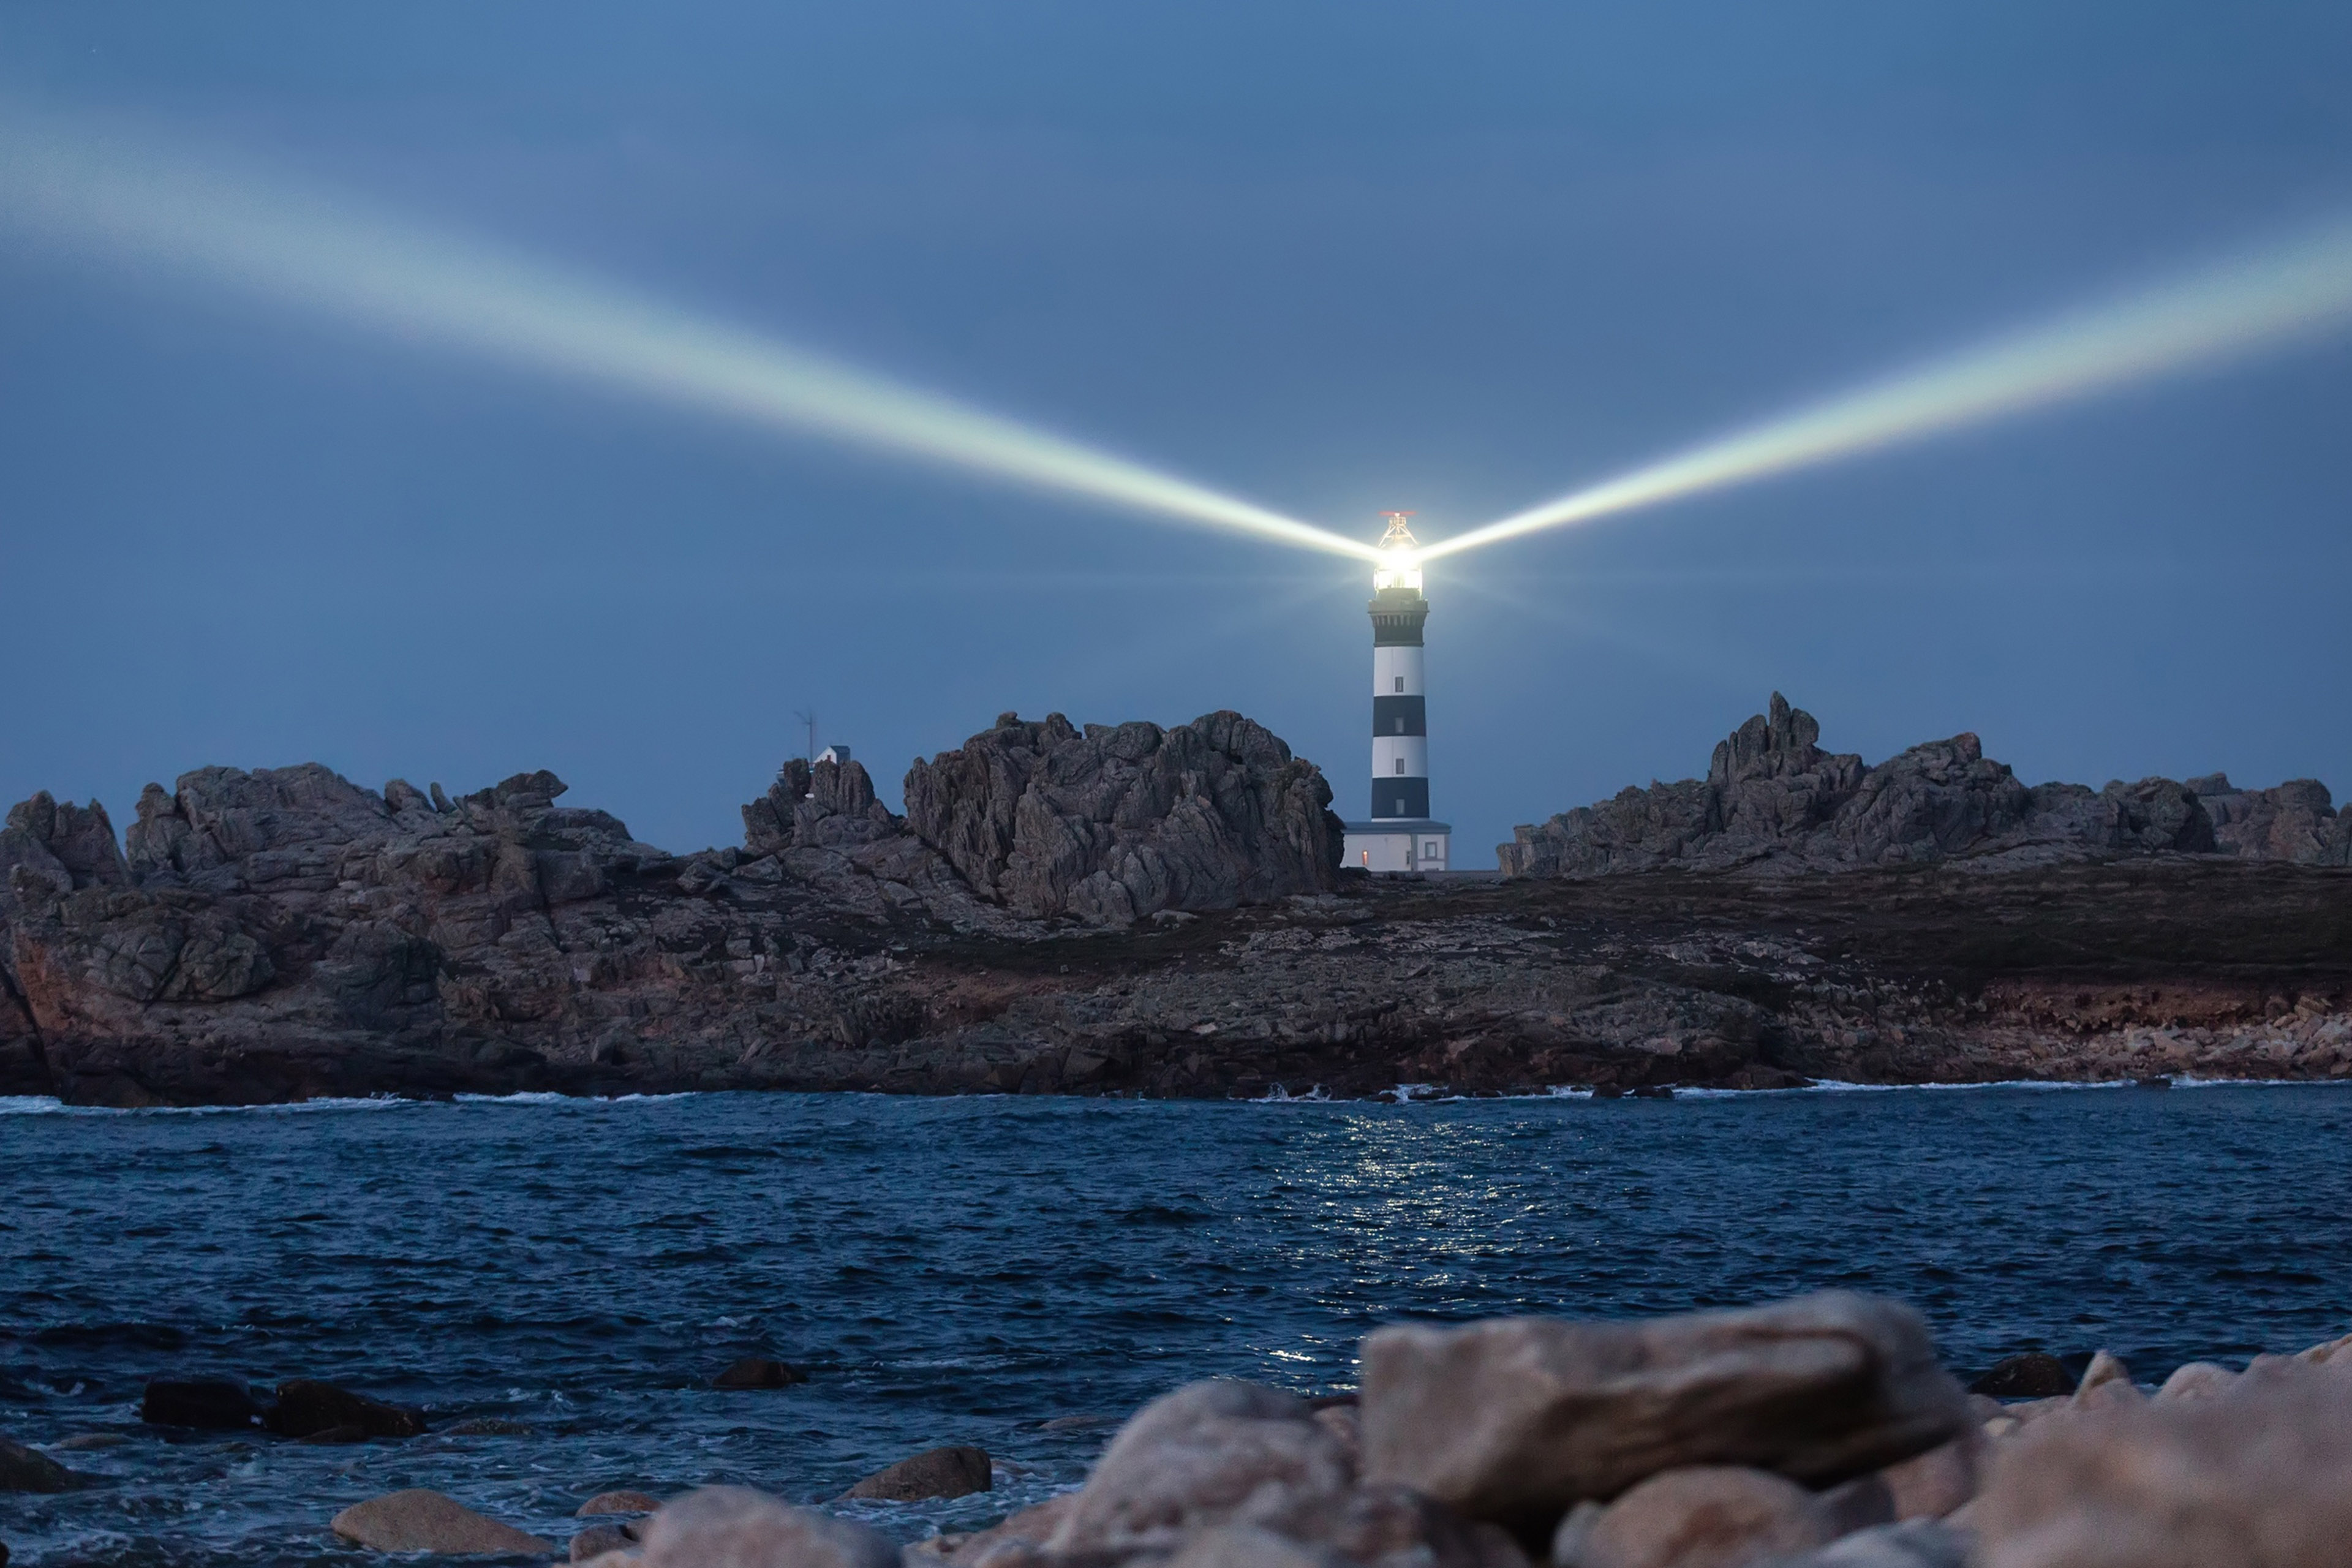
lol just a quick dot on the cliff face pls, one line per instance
(1773, 801)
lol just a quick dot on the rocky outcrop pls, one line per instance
(1120, 822)
(1773, 801)
(284, 933)
(2294, 821)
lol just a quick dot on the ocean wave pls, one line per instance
(49, 1105)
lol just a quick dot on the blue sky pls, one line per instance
(1333, 258)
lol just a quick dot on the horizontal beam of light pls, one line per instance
(2301, 290)
(364, 266)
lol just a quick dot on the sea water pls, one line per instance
(1020, 1273)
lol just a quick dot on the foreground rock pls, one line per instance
(2250, 1473)
(951, 1472)
(420, 1520)
(1519, 1419)
(734, 1527)
(1774, 801)
(2260, 1475)
(1697, 1516)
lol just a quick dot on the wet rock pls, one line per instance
(758, 1372)
(599, 1539)
(487, 1427)
(950, 1472)
(1210, 1454)
(2259, 1479)
(735, 1527)
(81, 1441)
(616, 1502)
(1517, 1419)
(1921, 1544)
(24, 1469)
(1698, 1517)
(421, 1520)
(333, 1437)
(307, 1408)
(2035, 1374)
(207, 1404)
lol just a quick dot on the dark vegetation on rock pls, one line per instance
(1136, 910)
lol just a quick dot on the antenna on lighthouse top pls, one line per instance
(1399, 536)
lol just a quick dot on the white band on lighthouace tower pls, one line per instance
(1396, 672)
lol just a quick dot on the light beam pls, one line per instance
(2256, 301)
(287, 243)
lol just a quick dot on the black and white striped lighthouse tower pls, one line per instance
(1400, 834)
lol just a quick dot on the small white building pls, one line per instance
(1395, 846)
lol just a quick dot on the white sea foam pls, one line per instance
(49, 1105)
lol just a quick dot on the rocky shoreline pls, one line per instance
(1134, 910)
(1820, 1432)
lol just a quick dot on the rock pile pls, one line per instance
(1774, 801)
(1819, 1433)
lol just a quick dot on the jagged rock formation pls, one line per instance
(1774, 801)
(284, 933)
(1115, 823)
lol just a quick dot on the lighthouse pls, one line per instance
(1399, 834)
